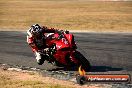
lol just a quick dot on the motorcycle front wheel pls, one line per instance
(82, 61)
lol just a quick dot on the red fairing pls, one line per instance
(70, 38)
(64, 47)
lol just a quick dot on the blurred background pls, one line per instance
(90, 15)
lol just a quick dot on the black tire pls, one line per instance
(82, 61)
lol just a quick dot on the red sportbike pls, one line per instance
(63, 51)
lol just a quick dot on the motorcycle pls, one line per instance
(63, 51)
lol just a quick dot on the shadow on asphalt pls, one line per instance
(104, 69)
(93, 69)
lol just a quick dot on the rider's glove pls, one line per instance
(67, 32)
(46, 50)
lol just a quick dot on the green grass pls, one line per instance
(67, 14)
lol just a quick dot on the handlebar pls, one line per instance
(61, 34)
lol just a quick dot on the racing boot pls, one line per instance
(39, 58)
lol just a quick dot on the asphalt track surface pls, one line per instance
(106, 52)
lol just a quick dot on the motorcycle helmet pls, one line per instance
(35, 30)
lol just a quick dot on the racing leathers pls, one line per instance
(39, 43)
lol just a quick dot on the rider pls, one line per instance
(36, 38)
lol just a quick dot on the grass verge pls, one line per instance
(67, 14)
(31, 79)
(12, 79)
